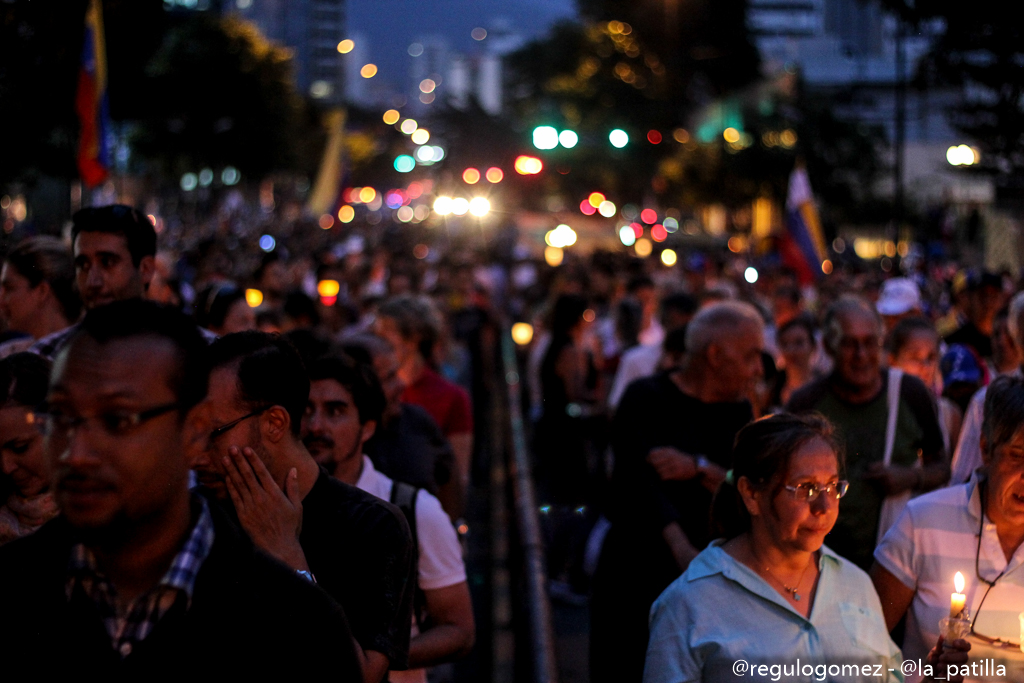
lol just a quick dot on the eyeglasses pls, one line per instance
(808, 492)
(57, 424)
(225, 428)
(997, 641)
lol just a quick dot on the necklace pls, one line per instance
(792, 590)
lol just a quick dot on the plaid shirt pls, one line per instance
(128, 625)
(49, 346)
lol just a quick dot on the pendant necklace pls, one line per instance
(791, 590)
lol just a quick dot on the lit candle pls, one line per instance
(958, 599)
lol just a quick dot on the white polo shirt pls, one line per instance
(936, 537)
(440, 556)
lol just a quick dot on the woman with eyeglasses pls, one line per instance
(976, 529)
(29, 503)
(769, 592)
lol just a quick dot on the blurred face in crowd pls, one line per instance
(736, 361)
(21, 451)
(1004, 502)
(793, 523)
(919, 357)
(797, 347)
(104, 270)
(112, 475)
(984, 303)
(386, 328)
(386, 366)
(330, 428)
(858, 348)
(230, 422)
(19, 300)
(240, 317)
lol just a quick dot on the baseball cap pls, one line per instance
(959, 364)
(899, 295)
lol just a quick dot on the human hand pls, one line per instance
(894, 478)
(671, 464)
(271, 517)
(711, 475)
(946, 658)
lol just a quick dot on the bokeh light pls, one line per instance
(253, 297)
(553, 256)
(568, 139)
(522, 333)
(443, 206)
(404, 163)
(460, 206)
(346, 214)
(607, 209)
(649, 216)
(368, 71)
(267, 243)
(619, 138)
(658, 232)
(669, 257)
(345, 46)
(545, 137)
(562, 236)
(326, 221)
(494, 174)
(427, 85)
(643, 247)
(367, 194)
(731, 135)
(391, 117)
(328, 288)
(409, 126)
(420, 136)
(587, 208)
(627, 236)
(750, 274)
(595, 199)
(471, 176)
(525, 165)
(479, 206)
(654, 137)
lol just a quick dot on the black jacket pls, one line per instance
(250, 616)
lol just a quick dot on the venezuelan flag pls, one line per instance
(91, 101)
(803, 248)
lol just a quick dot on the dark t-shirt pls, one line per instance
(359, 548)
(655, 412)
(861, 430)
(411, 448)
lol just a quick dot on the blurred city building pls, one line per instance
(313, 30)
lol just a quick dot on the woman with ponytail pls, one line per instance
(769, 591)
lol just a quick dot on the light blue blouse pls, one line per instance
(720, 621)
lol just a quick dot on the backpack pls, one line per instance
(404, 496)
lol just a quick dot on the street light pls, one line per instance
(619, 138)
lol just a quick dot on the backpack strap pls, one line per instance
(404, 497)
(893, 405)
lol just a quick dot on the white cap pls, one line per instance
(899, 295)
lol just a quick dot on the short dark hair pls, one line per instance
(416, 317)
(803, 321)
(358, 380)
(269, 370)
(761, 453)
(118, 219)
(24, 380)
(44, 258)
(904, 330)
(1004, 411)
(141, 318)
(214, 302)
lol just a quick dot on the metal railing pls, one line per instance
(538, 605)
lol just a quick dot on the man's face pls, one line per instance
(221, 407)
(330, 428)
(111, 478)
(104, 270)
(1005, 502)
(738, 363)
(385, 366)
(858, 352)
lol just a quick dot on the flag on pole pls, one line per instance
(91, 101)
(803, 247)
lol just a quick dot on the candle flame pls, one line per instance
(958, 581)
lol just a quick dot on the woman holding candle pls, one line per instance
(754, 594)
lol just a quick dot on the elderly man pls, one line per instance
(139, 579)
(976, 529)
(856, 399)
(968, 449)
(357, 547)
(672, 438)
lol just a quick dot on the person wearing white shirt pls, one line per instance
(345, 404)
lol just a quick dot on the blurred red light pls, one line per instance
(649, 216)
(659, 233)
(587, 208)
(638, 230)
(654, 137)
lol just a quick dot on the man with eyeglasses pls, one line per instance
(976, 529)
(355, 546)
(855, 398)
(138, 578)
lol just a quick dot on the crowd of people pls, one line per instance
(212, 461)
